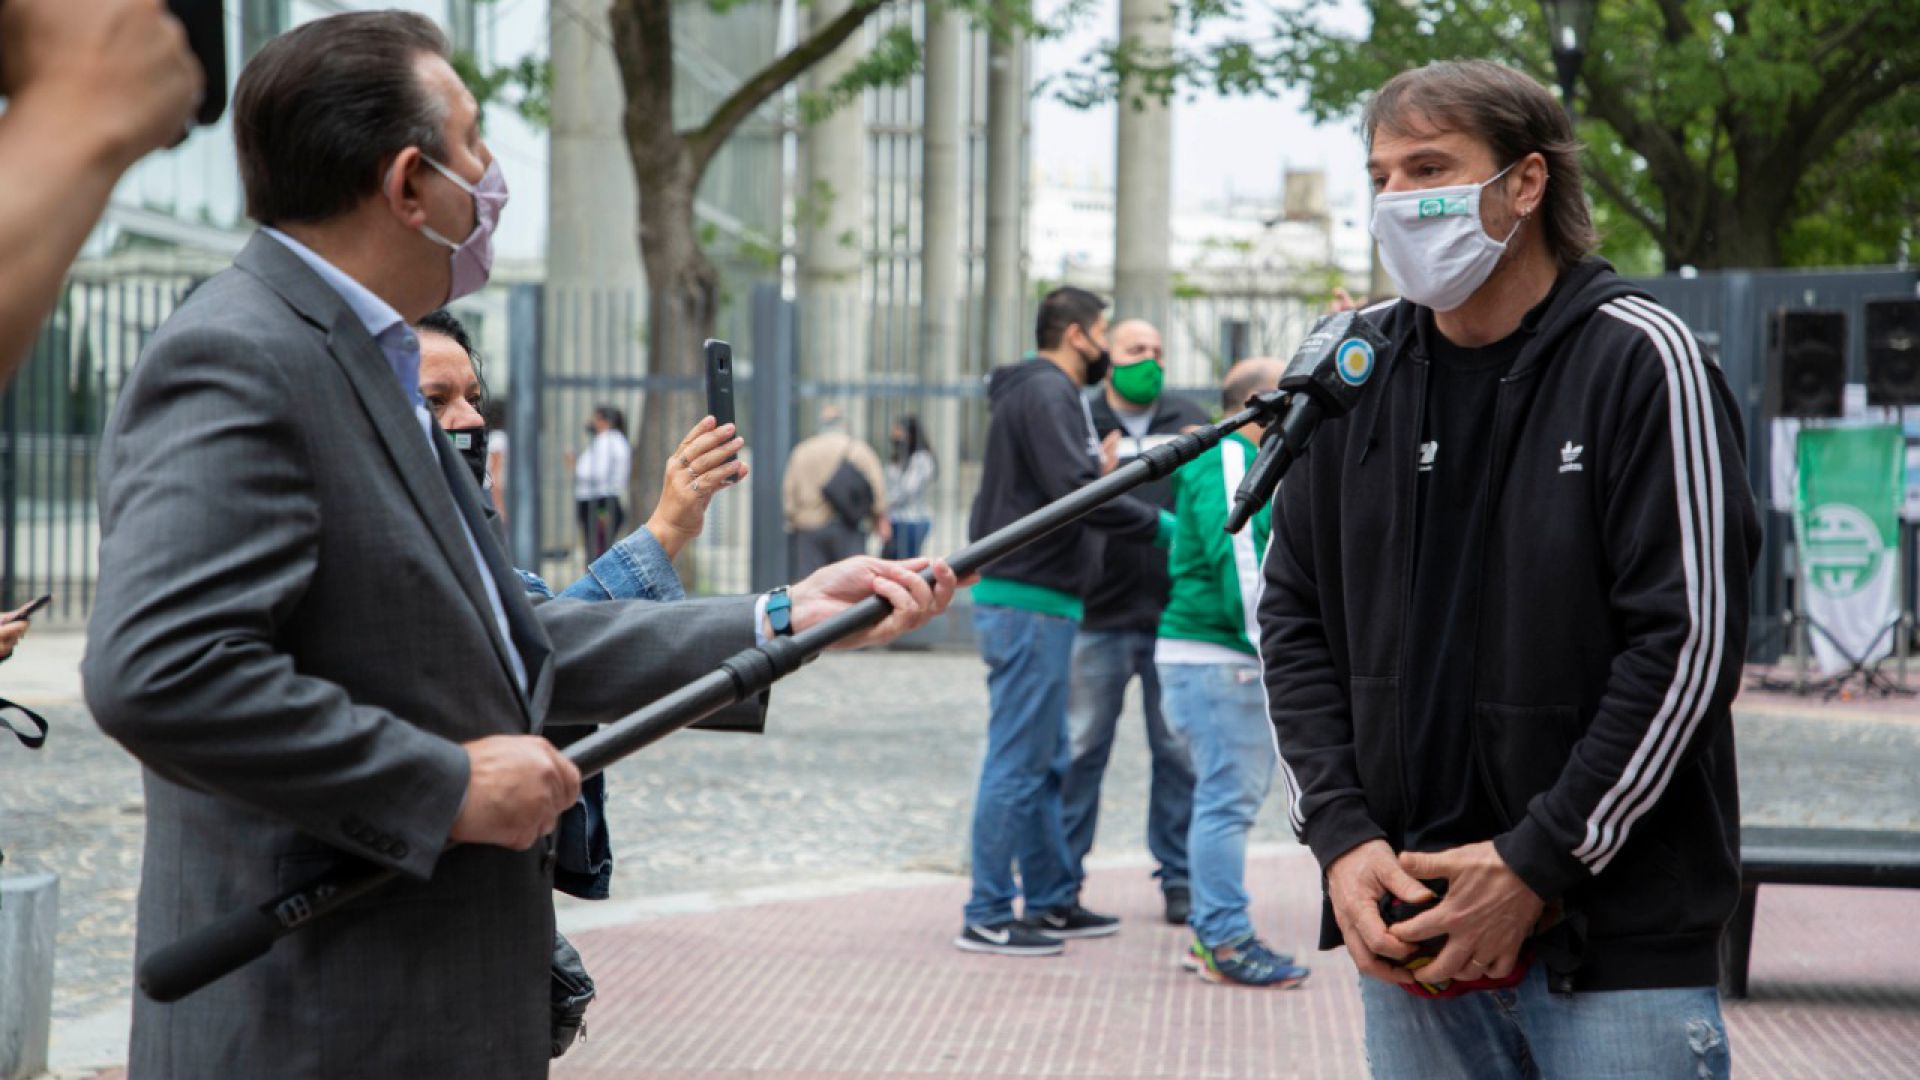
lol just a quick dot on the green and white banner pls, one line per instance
(1847, 523)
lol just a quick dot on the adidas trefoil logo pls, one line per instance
(1570, 458)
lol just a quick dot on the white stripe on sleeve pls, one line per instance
(1699, 501)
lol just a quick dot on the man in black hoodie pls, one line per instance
(1040, 447)
(1504, 618)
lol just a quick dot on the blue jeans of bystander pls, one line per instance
(1218, 710)
(1104, 661)
(1016, 813)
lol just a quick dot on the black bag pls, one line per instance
(32, 741)
(572, 993)
(848, 491)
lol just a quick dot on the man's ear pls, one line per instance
(1532, 194)
(400, 187)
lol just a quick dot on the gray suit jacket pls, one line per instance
(292, 636)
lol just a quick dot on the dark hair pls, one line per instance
(444, 323)
(1510, 112)
(615, 419)
(494, 412)
(1064, 307)
(916, 440)
(319, 110)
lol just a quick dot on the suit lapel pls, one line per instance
(528, 637)
(398, 427)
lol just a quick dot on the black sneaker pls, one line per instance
(1010, 938)
(1073, 921)
(1179, 905)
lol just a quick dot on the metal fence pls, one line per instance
(51, 417)
(792, 358)
(50, 423)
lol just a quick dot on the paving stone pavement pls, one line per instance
(868, 985)
(868, 769)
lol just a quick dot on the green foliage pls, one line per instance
(525, 86)
(894, 59)
(1758, 132)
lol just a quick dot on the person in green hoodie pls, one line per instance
(1211, 692)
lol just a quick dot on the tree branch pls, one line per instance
(643, 46)
(1814, 131)
(1843, 37)
(705, 140)
(1674, 13)
(1625, 201)
(1666, 157)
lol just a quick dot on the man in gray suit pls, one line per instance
(309, 636)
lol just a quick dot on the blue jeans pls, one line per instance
(1016, 814)
(908, 538)
(1527, 1032)
(1104, 661)
(1220, 712)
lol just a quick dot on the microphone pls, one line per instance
(1323, 380)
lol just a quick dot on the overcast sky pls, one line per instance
(1222, 146)
(1241, 146)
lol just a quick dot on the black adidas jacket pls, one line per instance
(1611, 634)
(1041, 447)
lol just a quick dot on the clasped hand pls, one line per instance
(1486, 915)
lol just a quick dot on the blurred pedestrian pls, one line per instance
(833, 492)
(600, 477)
(911, 470)
(1132, 415)
(1041, 446)
(1210, 676)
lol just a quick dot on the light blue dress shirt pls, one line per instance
(402, 349)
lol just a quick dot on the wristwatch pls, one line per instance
(780, 612)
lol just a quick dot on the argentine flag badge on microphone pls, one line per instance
(1354, 361)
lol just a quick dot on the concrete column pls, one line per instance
(595, 300)
(942, 260)
(1143, 175)
(833, 228)
(1003, 340)
(29, 922)
(592, 203)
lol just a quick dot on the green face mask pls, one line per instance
(1139, 383)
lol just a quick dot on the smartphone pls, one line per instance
(206, 25)
(720, 382)
(26, 613)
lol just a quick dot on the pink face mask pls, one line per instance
(472, 257)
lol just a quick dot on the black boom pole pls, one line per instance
(218, 948)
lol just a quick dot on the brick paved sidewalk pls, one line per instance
(867, 984)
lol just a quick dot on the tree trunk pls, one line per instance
(682, 298)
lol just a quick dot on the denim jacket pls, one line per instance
(636, 568)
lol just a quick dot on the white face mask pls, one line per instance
(1433, 244)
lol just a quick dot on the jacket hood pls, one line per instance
(1577, 293)
(1009, 378)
